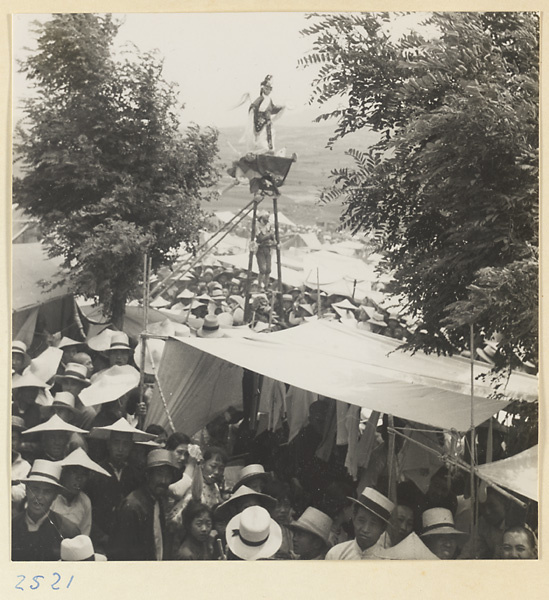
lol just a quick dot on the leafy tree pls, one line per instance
(106, 168)
(452, 182)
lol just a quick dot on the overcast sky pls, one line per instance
(215, 58)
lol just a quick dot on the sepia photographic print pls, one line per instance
(274, 287)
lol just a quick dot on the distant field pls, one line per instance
(308, 176)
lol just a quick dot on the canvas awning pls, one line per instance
(517, 473)
(329, 359)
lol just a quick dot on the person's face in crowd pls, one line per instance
(444, 545)
(54, 443)
(74, 479)
(207, 277)
(68, 354)
(72, 386)
(213, 469)
(84, 359)
(307, 545)
(200, 527)
(17, 362)
(282, 512)
(39, 499)
(119, 447)
(220, 526)
(158, 480)
(368, 528)
(119, 357)
(25, 396)
(493, 510)
(181, 454)
(401, 523)
(517, 544)
(266, 89)
(235, 289)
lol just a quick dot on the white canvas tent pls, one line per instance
(517, 473)
(200, 377)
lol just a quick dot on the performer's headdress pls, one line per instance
(268, 81)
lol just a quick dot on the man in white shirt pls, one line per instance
(371, 513)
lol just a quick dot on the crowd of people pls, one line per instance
(91, 482)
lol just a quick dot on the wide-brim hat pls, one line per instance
(67, 341)
(377, 319)
(79, 458)
(54, 423)
(217, 294)
(19, 347)
(254, 471)
(344, 304)
(410, 548)
(268, 502)
(46, 364)
(119, 341)
(76, 372)
(64, 400)
(315, 521)
(252, 534)
(376, 503)
(210, 328)
(28, 379)
(110, 384)
(237, 300)
(102, 341)
(120, 426)
(186, 294)
(79, 548)
(44, 471)
(439, 521)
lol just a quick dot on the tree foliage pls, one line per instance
(453, 180)
(107, 169)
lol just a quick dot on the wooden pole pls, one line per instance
(318, 307)
(391, 462)
(278, 259)
(247, 307)
(474, 499)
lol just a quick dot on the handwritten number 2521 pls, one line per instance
(36, 580)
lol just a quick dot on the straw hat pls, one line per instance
(120, 426)
(110, 384)
(119, 341)
(44, 471)
(19, 347)
(250, 472)
(54, 423)
(345, 305)
(67, 341)
(210, 328)
(79, 548)
(267, 502)
(439, 521)
(410, 548)
(195, 323)
(28, 379)
(252, 534)
(102, 341)
(76, 372)
(203, 298)
(46, 364)
(79, 458)
(315, 521)
(217, 295)
(186, 295)
(64, 400)
(375, 503)
(377, 319)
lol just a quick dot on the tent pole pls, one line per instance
(318, 310)
(247, 306)
(391, 462)
(146, 287)
(474, 498)
(278, 259)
